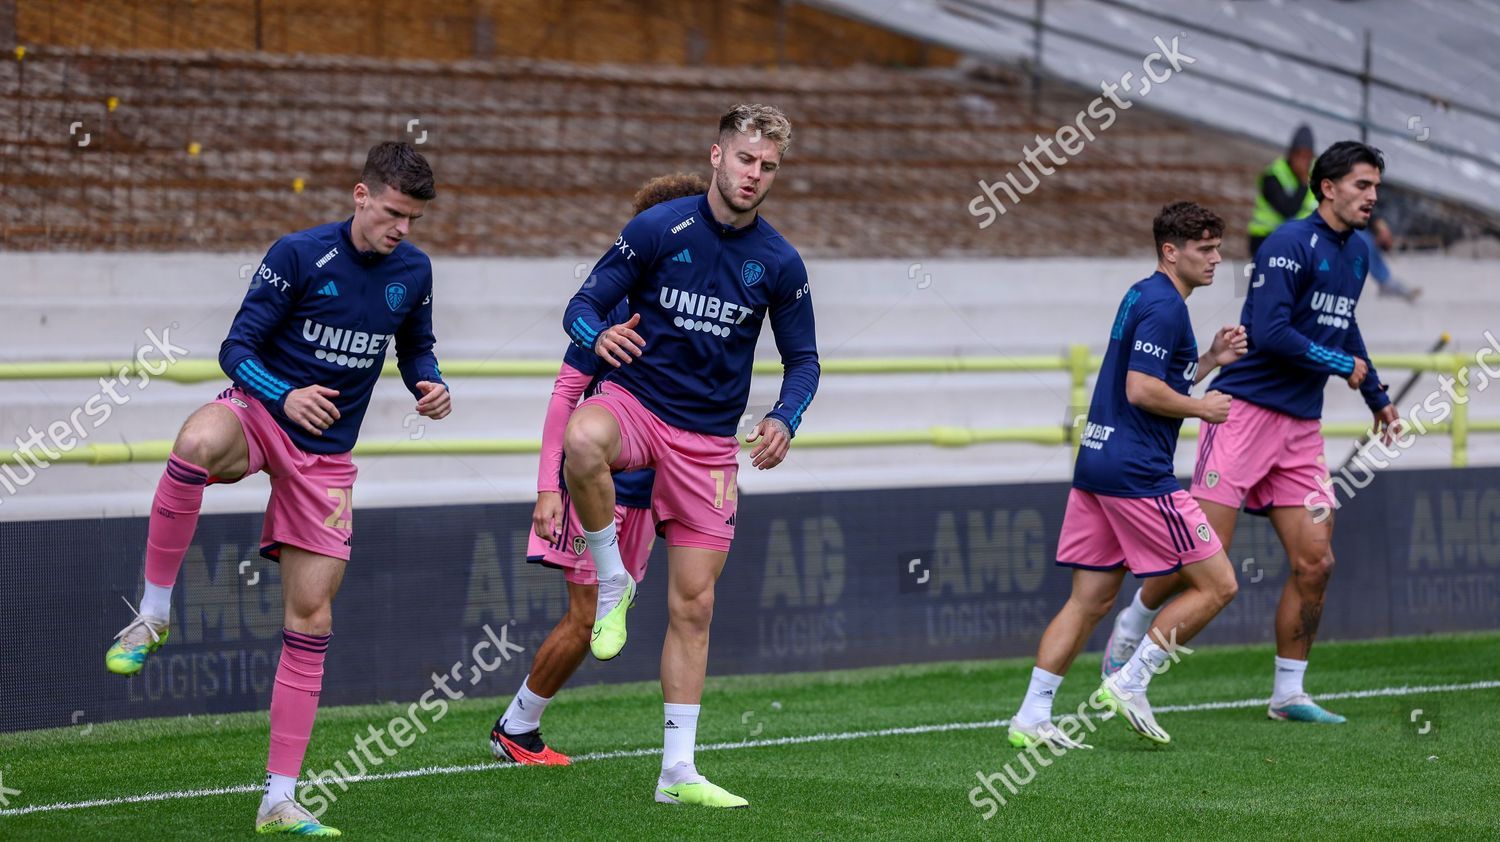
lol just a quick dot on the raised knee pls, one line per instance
(204, 440)
(586, 444)
(197, 446)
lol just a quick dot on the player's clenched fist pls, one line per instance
(435, 403)
(311, 408)
(620, 343)
(1230, 343)
(1357, 376)
(1215, 408)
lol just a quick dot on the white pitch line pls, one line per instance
(1384, 692)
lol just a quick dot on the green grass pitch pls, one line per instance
(1229, 772)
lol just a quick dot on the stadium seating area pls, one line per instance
(228, 151)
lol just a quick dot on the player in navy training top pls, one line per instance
(702, 275)
(557, 537)
(304, 353)
(1268, 455)
(1126, 509)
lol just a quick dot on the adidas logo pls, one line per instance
(732, 518)
(671, 724)
(329, 289)
(683, 256)
(1323, 267)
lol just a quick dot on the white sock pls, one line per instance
(279, 788)
(680, 733)
(1146, 662)
(1036, 707)
(605, 548)
(157, 601)
(525, 711)
(1136, 619)
(1289, 672)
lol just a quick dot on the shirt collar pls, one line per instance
(719, 228)
(364, 258)
(1322, 225)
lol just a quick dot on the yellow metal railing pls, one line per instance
(1077, 363)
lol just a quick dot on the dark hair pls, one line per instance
(1338, 161)
(1180, 222)
(399, 165)
(664, 188)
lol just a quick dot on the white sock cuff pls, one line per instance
(602, 538)
(156, 601)
(1150, 652)
(530, 694)
(1290, 664)
(1135, 602)
(1047, 680)
(670, 709)
(279, 788)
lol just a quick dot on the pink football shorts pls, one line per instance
(1260, 458)
(312, 494)
(1150, 536)
(695, 496)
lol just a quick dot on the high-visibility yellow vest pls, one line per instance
(1265, 219)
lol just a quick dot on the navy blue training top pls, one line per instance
(319, 312)
(1127, 451)
(703, 291)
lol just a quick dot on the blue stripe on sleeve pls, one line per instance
(1340, 362)
(273, 379)
(251, 379)
(262, 383)
(797, 416)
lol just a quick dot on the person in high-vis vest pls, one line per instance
(1283, 192)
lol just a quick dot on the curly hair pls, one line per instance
(1180, 222)
(665, 188)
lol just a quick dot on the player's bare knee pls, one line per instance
(316, 621)
(1224, 589)
(1093, 607)
(586, 446)
(1312, 569)
(207, 439)
(692, 611)
(198, 445)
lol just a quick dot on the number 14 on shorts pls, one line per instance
(721, 487)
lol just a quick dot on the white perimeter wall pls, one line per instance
(98, 306)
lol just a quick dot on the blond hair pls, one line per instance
(757, 120)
